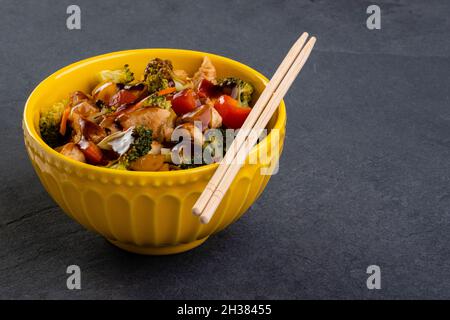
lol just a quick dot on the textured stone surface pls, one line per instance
(364, 179)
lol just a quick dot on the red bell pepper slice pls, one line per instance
(233, 115)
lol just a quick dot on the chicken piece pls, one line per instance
(109, 124)
(216, 119)
(156, 148)
(160, 121)
(72, 151)
(189, 131)
(93, 132)
(86, 129)
(84, 109)
(181, 74)
(206, 71)
(169, 130)
(207, 115)
(77, 97)
(168, 134)
(77, 124)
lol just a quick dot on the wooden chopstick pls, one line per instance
(231, 170)
(257, 109)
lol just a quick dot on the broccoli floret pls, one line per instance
(156, 83)
(159, 66)
(141, 145)
(159, 75)
(104, 108)
(155, 100)
(123, 75)
(239, 89)
(49, 123)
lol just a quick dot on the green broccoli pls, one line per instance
(122, 76)
(239, 89)
(49, 123)
(104, 108)
(155, 100)
(159, 66)
(156, 83)
(159, 75)
(141, 145)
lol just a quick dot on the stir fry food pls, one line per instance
(159, 122)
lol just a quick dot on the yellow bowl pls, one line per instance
(143, 212)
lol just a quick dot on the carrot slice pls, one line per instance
(63, 124)
(91, 151)
(165, 91)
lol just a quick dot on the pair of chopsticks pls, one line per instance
(258, 119)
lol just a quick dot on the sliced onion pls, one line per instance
(179, 86)
(118, 141)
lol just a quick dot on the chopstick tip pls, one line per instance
(204, 220)
(196, 211)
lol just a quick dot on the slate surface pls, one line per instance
(364, 176)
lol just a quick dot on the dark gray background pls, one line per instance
(364, 178)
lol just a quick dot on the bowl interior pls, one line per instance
(82, 76)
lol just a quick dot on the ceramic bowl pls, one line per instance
(144, 212)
